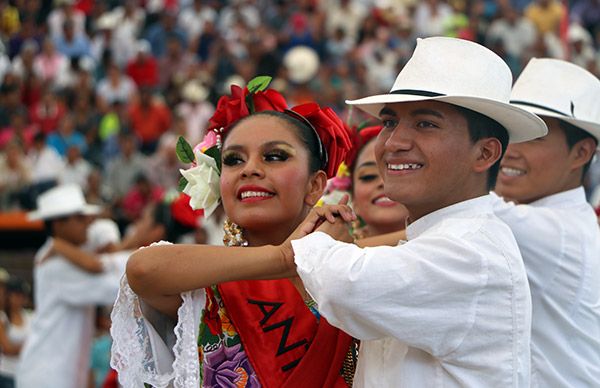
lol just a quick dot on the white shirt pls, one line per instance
(57, 351)
(560, 241)
(449, 308)
(16, 335)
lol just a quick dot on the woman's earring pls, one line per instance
(234, 235)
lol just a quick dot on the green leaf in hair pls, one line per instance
(258, 84)
(184, 151)
(182, 183)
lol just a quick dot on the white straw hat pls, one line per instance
(462, 73)
(555, 88)
(62, 201)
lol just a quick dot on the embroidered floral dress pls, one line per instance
(224, 363)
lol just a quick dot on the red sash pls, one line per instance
(281, 336)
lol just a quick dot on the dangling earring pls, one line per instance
(234, 235)
(358, 228)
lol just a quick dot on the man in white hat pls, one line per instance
(556, 229)
(451, 307)
(56, 354)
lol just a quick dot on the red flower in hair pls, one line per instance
(234, 107)
(182, 212)
(334, 135)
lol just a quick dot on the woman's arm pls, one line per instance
(390, 239)
(8, 347)
(163, 271)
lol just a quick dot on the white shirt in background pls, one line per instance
(560, 241)
(16, 335)
(56, 353)
(449, 308)
(46, 164)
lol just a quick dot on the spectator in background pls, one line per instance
(23, 63)
(195, 110)
(176, 64)
(65, 10)
(66, 137)
(73, 45)
(129, 20)
(77, 169)
(162, 168)
(50, 64)
(15, 327)
(142, 194)
(429, 18)
(344, 15)
(100, 351)
(97, 192)
(123, 170)
(19, 130)
(46, 163)
(10, 102)
(581, 49)
(115, 87)
(513, 35)
(15, 175)
(193, 19)
(143, 68)
(545, 15)
(48, 112)
(149, 119)
(587, 14)
(160, 32)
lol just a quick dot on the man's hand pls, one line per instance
(316, 219)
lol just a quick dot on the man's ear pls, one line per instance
(487, 152)
(316, 188)
(582, 152)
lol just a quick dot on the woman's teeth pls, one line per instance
(252, 194)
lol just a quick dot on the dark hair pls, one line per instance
(14, 285)
(306, 134)
(173, 229)
(481, 127)
(574, 135)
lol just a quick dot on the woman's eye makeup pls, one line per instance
(367, 177)
(276, 155)
(232, 158)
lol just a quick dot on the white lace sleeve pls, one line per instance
(147, 348)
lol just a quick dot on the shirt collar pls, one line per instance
(470, 207)
(567, 198)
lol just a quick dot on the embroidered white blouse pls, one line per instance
(560, 241)
(449, 308)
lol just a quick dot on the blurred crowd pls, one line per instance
(97, 92)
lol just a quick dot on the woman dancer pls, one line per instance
(378, 214)
(275, 164)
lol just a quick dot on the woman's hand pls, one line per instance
(330, 219)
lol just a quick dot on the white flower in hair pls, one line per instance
(203, 184)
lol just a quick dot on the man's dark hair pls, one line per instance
(574, 135)
(481, 127)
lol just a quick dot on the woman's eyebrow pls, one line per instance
(366, 164)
